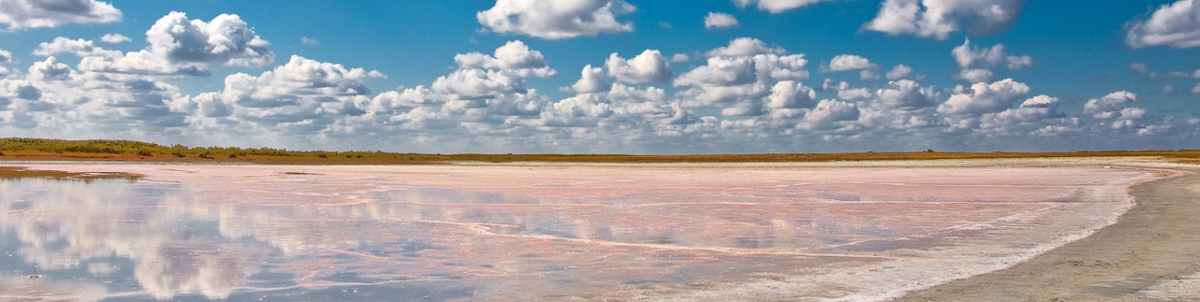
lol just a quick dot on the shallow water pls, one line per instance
(436, 233)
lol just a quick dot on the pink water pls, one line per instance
(542, 232)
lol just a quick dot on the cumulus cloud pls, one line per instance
(720, 71)
(51, 70)
(179, 47)
(514, 56)
(23, 14)
(225, 40)
(309, 41)
(1176, 25)
(975, 63)
(719, 20)
(829, 114)
(738, 78)
(899, 72)
(477, 83)
(550, 19)
(680, 57)
(1109, 106)
(303, 95)
(776, 6)
(78, 47)
(984, 98)
(854, 94)
(1036, 116)
(939, 18)
(649, 66)
(844, 62)
(791, 94)
(5, 56)
(905, 95)
(591, 80)
(114, 38)
(745, 47)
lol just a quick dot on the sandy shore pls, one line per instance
(1150, 254)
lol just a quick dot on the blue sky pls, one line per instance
(429, 76)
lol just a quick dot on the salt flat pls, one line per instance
(837, 231)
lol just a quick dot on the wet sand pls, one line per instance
(1152, 253)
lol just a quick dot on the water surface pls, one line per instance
(447, 233)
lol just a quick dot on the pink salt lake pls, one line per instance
(857, 232)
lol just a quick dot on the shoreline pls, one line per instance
(1151, 247)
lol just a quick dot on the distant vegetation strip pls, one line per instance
(57, 149)
(11, 173)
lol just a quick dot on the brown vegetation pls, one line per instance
(124, 150)
(11, 173)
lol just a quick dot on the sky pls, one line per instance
(606, 76)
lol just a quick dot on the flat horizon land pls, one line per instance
(859, 231)
(37, 149)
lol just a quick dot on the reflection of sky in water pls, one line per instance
(302, 237)
(129, 241)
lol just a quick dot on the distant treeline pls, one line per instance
(57, 149)
(144, 149)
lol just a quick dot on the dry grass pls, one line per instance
(11, 173)
(105, 150)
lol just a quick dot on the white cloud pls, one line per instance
(514, 56)
(467, 84)
(114, 38)
(776, 6)
(1036, 116)
(905, 94)
(649, 66)
(719, 20)
(1167, 90)
(302, 96)
(791, 94)
(1176, 25)
(976, 75)
(975, 63)
(682, 57)
(309, 41)
(1109, 106)
(591, 80)
(1138, 68)
(51, 70)
(829, 114)
(5, 56)
(720, 71)
(854, 94)
(739, 78)
(179, 47)
(745, 47)
(226, 40)
(831, 85)
(844, 62)
(78, 47)
(550, 19)
(22, 14)
(868, 75)
(939, 18)
(985, 98)
(899, 72)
